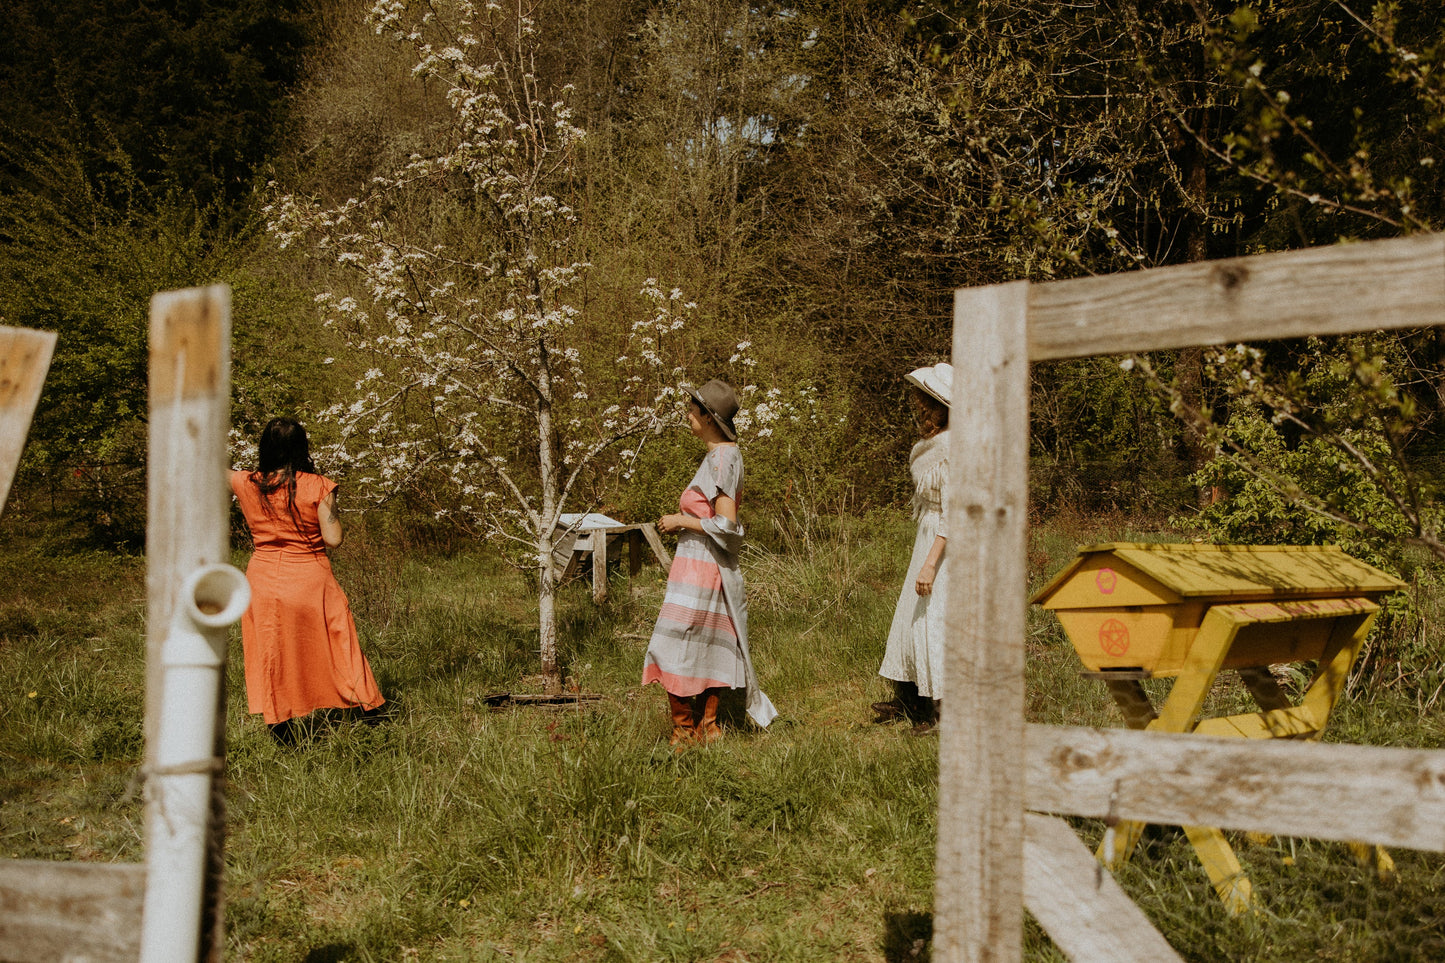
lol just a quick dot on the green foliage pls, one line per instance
(1268, 507)
(817, 176)
(1090, 417)
(73, 263)
(1337, 104)
(130, 138)
(1316, 448)
(191, 92)
(86, 270)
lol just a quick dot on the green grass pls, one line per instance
(457, 832)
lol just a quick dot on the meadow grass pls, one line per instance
(455, 831)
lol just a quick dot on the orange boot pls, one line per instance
(707, 729)
(683, 730)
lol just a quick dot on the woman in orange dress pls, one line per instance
(299, 638)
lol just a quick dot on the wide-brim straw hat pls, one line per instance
(718, 399)
(936, 381)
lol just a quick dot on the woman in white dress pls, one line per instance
(913, 659)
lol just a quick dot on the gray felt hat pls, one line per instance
(718, 399)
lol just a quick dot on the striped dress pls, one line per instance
(701, 638)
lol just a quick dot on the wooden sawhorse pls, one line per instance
(594, 538)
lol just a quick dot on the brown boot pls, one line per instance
(683, 730)
(707, 728)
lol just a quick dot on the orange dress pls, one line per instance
(298, 636)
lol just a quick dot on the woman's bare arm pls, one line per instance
(723, 505)
(926, 574)
(330, 524)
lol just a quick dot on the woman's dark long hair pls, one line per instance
(284, 450)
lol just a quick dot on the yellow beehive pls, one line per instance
(1134, 606)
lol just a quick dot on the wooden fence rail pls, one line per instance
(70, 911)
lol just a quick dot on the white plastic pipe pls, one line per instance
(193, 659)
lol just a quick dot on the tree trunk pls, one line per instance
(1189, 371)
(551, 492)
(547, 615)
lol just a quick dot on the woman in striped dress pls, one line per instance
(700, 644)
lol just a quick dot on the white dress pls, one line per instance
(915, 640)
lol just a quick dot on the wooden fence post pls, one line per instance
(24, 360)
(978, 891)
(50, 910)
(188, 518)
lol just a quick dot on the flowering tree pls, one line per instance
(493, 388)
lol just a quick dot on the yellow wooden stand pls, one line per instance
(1135, 612)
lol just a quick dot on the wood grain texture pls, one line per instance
(53, 911)
(1392, 797)
(654, 541)
(24, 361)
(187, 523)
(978, 895)
(1080, 905)
(1364, 286)
(188, 518)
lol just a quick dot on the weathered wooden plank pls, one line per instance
(599, 567)
(978, 895)
(1080, 905)
(188, 519)
(634, 552)
(187, 522)
(654, 542)
(70, 911)
(24, 360)
(1392, 797)
(1392, 283)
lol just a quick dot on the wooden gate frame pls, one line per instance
(994, 857)
(59, 910)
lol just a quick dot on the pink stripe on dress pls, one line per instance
(697, 618)
(702, 572)
(695, 503)
(679, 685)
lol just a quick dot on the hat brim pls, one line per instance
(926, 384)
(728, 431)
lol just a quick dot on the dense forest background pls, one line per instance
(818, 177)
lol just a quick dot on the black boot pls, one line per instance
(895, 708)
(916, 708)
(927, 724)
(283, 733)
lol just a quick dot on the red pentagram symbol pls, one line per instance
(1114, 637)
(1106, 579)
